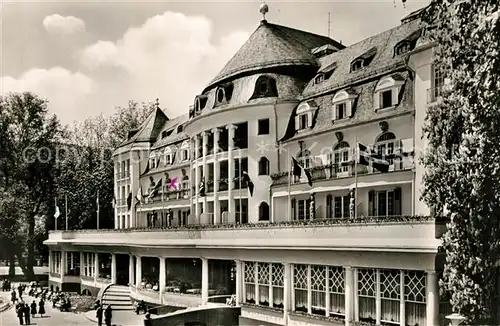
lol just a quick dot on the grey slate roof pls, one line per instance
(273, 45)
(174, 137)
(384, 59)
(150, 128)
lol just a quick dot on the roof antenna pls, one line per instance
(264, 9)
(328, 24)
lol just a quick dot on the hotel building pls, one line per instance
(356, 247)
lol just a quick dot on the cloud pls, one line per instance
(171, 56)
(65, 90)
(63, 25)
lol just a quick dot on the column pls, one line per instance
(287, 288)
(96, 266)
(432, 299)
(197, 179)
(138, 272)
(309, 292)
(349, 295)
(113, 268)
(204, 281)
(216, 133)
(205, 168)
(378, 314)
(82, 264)
(131, 275)
(232, 217)
(63, 263)
(239, 282)
(402, 308)
(51, 261)
(163, 278)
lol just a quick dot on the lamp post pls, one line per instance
(455, 319)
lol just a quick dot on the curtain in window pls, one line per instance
(366, 294)
(249, 278)
(263, 275)
(415, 305)
(390, 294)
(337, 290)
(300, 287)
(277, 272)
(318, 289)
(415, 314)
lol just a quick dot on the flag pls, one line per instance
(139, 196)
(97, 200)
(367, 157)
(299, 171)
(248, 182)
(57, 213)
(113, 203)
(155, 190)
(202, 189)
(129, 200)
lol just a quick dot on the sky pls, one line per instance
(88, 57)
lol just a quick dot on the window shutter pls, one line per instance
(398, 160)
(294, 211)
(397, 201)
(329, 206)
(297, 122)
(334, 113)
(348, 108)
(371, 203)
(376, 100)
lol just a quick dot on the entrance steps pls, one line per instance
(118, 297)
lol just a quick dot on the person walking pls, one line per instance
(33, 309)
(98, 314)
(26, 311)
(147, 320)
(20, 313)
(13, 296)
(41, 308)
(108, 314)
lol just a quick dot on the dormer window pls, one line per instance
(152, 160)
(167, 156)
(265, 86)
(179, 129)
(223, 94)
(185, 151)
(387, 92)
(304, 117)
(408, 43)
(343, 104)
(163, 134)
(319, 78)
(363, 60)
(199, 103)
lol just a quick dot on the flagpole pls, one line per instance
(55, 200)
(289, 186)
(66, 208)
(356, 180)
(98, 209)
(239, 177)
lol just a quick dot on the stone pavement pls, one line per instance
(54, 317)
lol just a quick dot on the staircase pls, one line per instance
(118, 297)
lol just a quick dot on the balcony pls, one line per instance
(395, 233)
(122, 175)
(434, 94)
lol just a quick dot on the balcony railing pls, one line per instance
(434, 93)
(121, 202)
(122, 175)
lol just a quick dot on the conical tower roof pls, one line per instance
(271, 46)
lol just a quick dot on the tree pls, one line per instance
(86, 166)
(27, 137)
(462, 179)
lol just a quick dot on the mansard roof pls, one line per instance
(383, 61)
(175, 136)
(272, 46)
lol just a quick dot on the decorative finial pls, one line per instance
(264, 9)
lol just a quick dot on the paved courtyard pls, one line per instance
(56, 318)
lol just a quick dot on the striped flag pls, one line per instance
(299, 171)
(369, 158)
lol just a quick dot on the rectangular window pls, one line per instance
(388, 203)
(263, 127)
(249, 274)
(341, 206)
(263, 277)
(367, 284)
(390, 296)
(318, 289)
(300, 288)
(341, 111)
(278, 274)
(438, 82)
(415, 304)
(336, 284)
(386, 99)
(303, 209)
(303, 123)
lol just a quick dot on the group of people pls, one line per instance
(23, 311)
(100, 312)
(6, 286)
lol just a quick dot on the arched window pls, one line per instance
(263, 166)
(152, 160)
(387, 91)
(167, 156)
(185, 151)
(385, 145)
(304, 158)
(180, 129)
(265, 86)
(263, 211)
(341, 157)
(343, 104)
